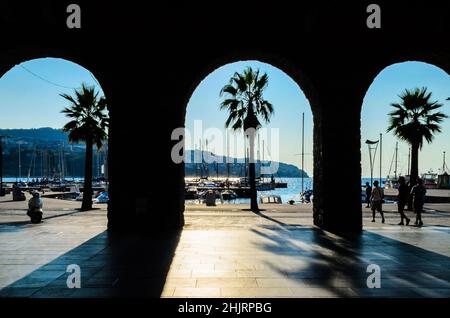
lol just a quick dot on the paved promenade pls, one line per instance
(222, 252)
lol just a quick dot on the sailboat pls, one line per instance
(392, 182)
(444, 177)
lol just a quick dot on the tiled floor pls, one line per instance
(224, 252)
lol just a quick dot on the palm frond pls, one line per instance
(412, 119)
(244, 96)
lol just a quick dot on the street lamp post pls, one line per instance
(370, 145)
(381, 157)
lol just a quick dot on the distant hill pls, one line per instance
(37, 135)
(47, 142)
(40, 153)
(236, 169)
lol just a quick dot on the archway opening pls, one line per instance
(387, 154)
(43, 103)
(217, 158)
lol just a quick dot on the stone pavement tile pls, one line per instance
(197, 267)
(237, 266)
(256, 292)
(99, 282)
(259, 273)
(213, 273)
(386, 292)
(226, 282)
(181, 282)
(95, 293)
(185, 273)
(196, 292)
(326, 282)
(280, 282)
(167, 292)
(318, 292)
(53, 293)
(434, 292)
(35, 280)
(17, 292)
(53, 267)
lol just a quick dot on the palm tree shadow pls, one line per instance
(339, 264)
(269, 218)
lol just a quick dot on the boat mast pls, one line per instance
(381, 156)
(32, 169)
(443, 164)
(263, 152)
(98, 163)
(201, 158)
(396, 155)
(217, 170)
(303, 152)
(259, 156)
(245, 157)
(206, 162)
(42, 163)
(228, 155)
(62, 162)
(20, 165)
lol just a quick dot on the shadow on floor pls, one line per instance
(21, 223)
(111, 266)
(339, 265)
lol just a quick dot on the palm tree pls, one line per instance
(245, 103)
(414, 121)
(89, 123)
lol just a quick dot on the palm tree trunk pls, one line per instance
(87, 193)
(414, 174)
(252, 174)
(414, 163)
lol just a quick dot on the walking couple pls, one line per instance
(418, 193)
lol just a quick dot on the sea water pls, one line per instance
(292, 192)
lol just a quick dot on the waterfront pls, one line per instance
(292, 192)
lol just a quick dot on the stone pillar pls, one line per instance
(337, 162)
(147, 188)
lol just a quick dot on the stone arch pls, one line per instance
(292, 70)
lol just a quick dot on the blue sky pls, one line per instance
(374, 120)
(288, 100)
(27, 101)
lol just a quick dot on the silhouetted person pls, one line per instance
(17, 193)
(418, 193)
(402, 199)
(409, 205)
(368, 194)
(376, 200)
(35, 205)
